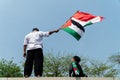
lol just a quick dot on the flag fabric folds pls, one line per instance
(75, 68)
(76, 24)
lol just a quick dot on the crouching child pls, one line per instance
(75, 69)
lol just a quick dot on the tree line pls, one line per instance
(58, 66)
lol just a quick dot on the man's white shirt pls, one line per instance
(33, 40)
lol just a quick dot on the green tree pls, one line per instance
(9, 69)
(56, 66)
(115, 58)
(99, 69)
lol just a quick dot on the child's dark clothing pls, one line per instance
(75, 70)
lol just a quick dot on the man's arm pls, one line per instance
(24, 50)
(46, 34)
(54, 31)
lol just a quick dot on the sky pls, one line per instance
(19, 17)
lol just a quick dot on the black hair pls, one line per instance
(77, 59)
(35, 29)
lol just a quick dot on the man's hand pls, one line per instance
(24, 54)
(54, 31)
(24, 50)
(57, 30)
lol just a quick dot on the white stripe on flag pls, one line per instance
(96, 19)
(83, 23)
(79, 21)
(76, 29)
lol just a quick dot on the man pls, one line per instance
(34, 48)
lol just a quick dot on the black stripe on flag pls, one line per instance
(78, 25)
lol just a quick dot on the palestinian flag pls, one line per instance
(75, 68)
(75, 25)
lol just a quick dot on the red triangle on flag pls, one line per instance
(68, 23)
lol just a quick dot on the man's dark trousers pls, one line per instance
(34, 57)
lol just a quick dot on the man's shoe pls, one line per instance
(26, 76)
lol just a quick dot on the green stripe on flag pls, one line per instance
(72, 32)
(90, 23)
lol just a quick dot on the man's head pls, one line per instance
(35, 29)
(76, 59)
